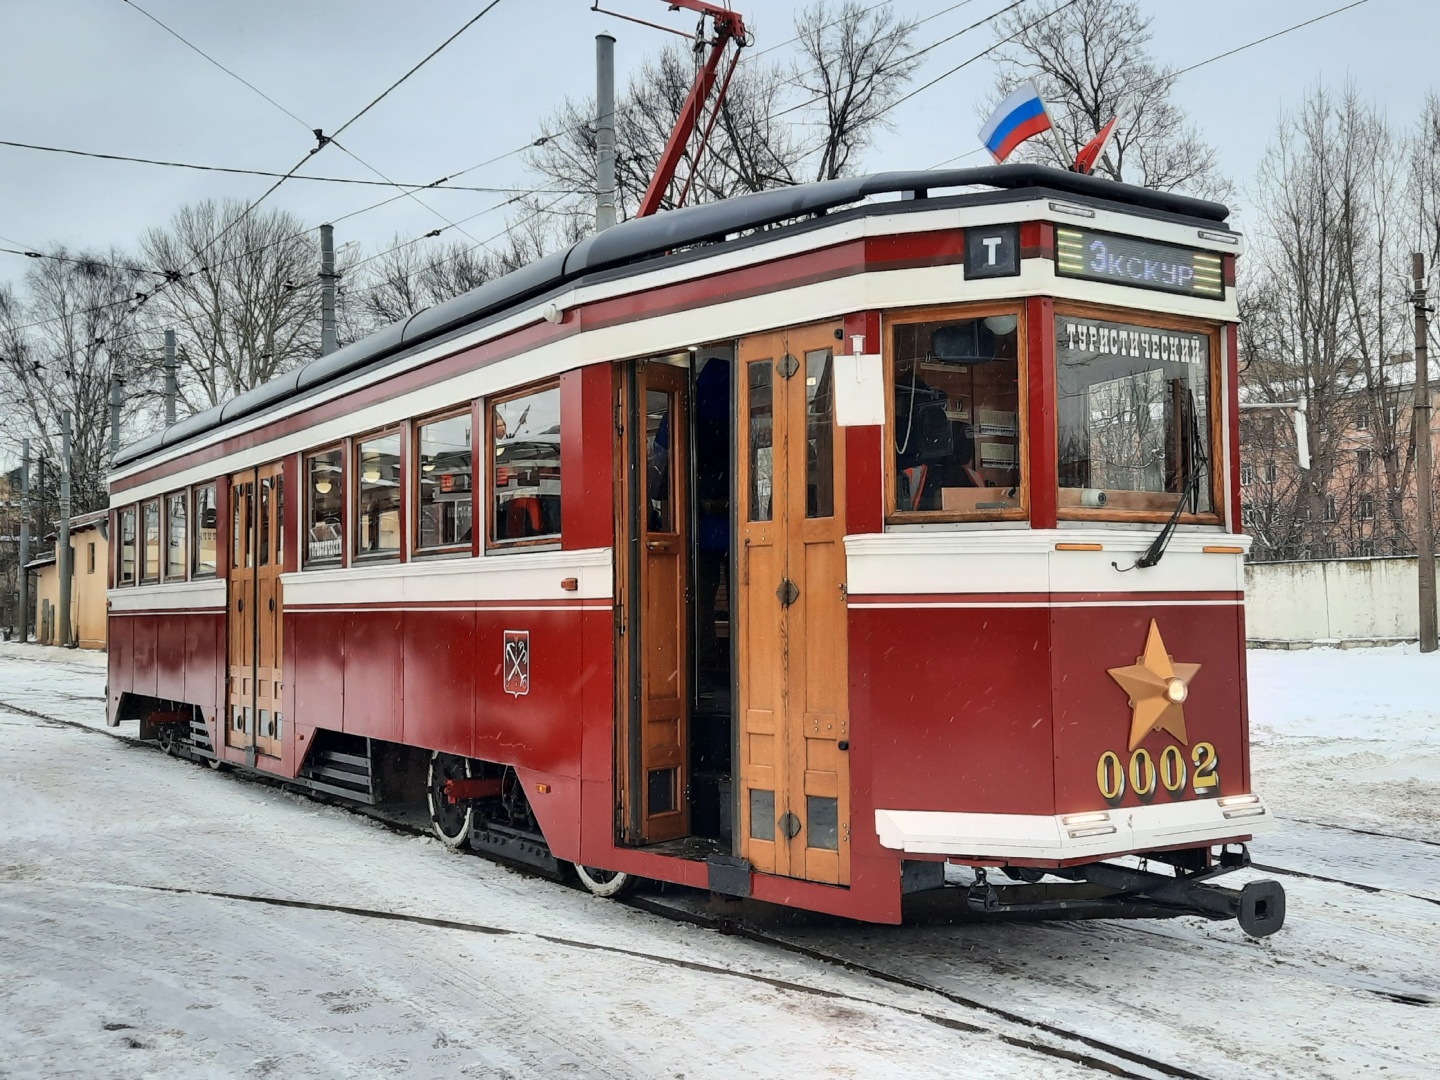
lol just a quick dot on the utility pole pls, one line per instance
(1424, 469)
(172, 385)
(328, 343)
(115, 383)
(62, 542)
(24, 541)
(604, 132)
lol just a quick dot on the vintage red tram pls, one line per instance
(791, 546)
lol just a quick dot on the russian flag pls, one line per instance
(1018, 117)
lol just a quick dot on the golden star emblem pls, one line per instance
(1158, 688)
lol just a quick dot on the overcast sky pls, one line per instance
(98, 75)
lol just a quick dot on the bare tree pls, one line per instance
(408, 277)
(245, 298)
(1324, 305)
(61, 341)
(1090, 61)
(853, 61)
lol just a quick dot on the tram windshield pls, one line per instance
(1134, 417)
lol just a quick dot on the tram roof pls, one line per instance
(627, 246)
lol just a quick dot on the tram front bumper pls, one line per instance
(1029, 838)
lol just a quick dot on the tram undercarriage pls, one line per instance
(481, 807)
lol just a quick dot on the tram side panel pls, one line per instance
(952, 707)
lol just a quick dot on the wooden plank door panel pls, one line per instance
(240, 674)
(255, 645)
(794, 773)
(660, 440)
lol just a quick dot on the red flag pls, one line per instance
(1094, 150)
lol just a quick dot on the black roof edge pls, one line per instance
(641, 237)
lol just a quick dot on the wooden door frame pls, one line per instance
(630, 488)
(250, 531)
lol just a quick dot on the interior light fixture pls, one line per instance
(323, 485)
(371, 473)
(1001, 324)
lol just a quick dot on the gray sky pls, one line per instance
(98, 75)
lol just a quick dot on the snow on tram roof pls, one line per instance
(632, 241)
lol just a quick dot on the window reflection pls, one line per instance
(445, 455)
(126, 570)
(325, 506)
(175, 537)
(957, 416)
(377, 505)
(150, 571)
(526, 466)
(1134, 416)
(205, 514)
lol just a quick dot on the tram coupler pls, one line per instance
(1259, 906)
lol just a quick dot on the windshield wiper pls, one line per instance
(1190, 491)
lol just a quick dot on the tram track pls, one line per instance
(1086, 1051)
(1131, 1061)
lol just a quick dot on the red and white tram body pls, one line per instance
(785, 546)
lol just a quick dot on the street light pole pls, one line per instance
(1424, 468)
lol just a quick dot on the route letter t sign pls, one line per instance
(992, 251)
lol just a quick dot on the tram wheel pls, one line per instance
(167, 739)
(451, 821)
(605, 883)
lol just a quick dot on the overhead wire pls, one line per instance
(442, 184)
(1170, 77)
(322, 139)
(541, 140)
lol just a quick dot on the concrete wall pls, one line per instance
(1360, 600)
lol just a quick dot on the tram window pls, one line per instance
(820, 435)
(125, 569)
(150, 518)
(324, 507)
(445, 456)
(377, 496)
(759, 378)
(957, 431)
(203, 558)
(175, 550)
(525, 467)
(1134, 418)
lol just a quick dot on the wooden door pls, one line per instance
(657, 732)
(254, 650)
(794, 721)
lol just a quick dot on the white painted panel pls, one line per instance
(1012, 561)
(1037, 836)
(859, 390)
(209, 593)
(517, 576)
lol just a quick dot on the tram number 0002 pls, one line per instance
(1145, 776)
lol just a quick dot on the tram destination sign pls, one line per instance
(1146, 264)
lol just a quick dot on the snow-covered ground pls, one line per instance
(132, 942)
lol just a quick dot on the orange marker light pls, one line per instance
(543, 789)
(1079, 547)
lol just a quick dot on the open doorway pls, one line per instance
(676, 727)
(712, 726)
